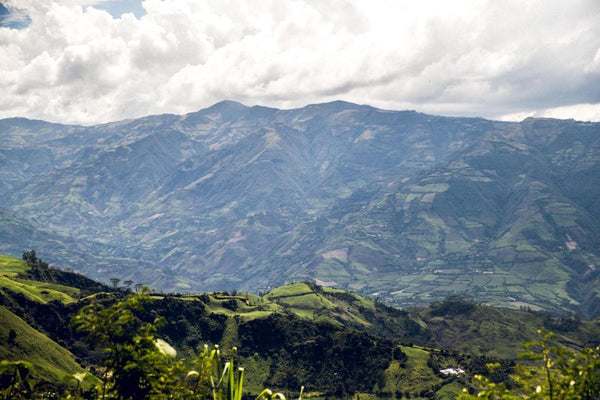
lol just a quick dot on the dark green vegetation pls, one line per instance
(22, 337)
(559, 374)
(335, 343)
(409, 206)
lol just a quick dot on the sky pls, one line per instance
(86, 62)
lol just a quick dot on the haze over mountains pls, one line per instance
(403, 205)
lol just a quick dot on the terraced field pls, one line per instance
(404, 206)
(43, 292)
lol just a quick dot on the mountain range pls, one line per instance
(403, 206)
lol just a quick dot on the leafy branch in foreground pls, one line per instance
(140, 366)
(16, 380)
(564, 374)
(134, 366)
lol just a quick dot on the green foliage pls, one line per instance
(490, 390)
(16, 380)
(560, 374)
(51, 361)
(33, 261)
(12, 272)
(319, 355)
(284, 343)
(82, 385)
(134, 366)
(33, 278)
(453, 305)
(495, 332)
(139, 366)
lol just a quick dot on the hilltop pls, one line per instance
(329, 340)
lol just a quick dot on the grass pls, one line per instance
(430, 188)
(359, 301)
(10, 266)
(450, 391)
(324, 304)
(488, 331)
(249, 316)
(332, 269)
(495, 332)
(311, 301)
(415, 376)
(52, 362)
(230, 336)
(258, 370)
(294, 289)
(526, 247)
(42, 292)
(39, 291)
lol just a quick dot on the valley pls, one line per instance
(299, 200)
(406, 207)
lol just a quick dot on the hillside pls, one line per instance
(51, 361)
(278, 347)
(407, 206)
(19, 340)
(329, 340)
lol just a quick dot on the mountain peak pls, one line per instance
(228, 105)
(227, 109)
(220, 207)
(337, 105)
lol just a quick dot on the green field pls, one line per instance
(43, 292)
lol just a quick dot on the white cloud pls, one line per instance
(13, 17)
(76, 63)
(582, 112)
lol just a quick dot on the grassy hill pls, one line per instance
(12, 278)
(19, 341)
(331, 341)
(52, 361)
(480, 330)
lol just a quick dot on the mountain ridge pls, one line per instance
(249, 197)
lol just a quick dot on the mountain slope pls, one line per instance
(495, 223)
(52, 362)
(329, 340)
(409, 206)
(19, 340)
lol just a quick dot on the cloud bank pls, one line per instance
(76, 63)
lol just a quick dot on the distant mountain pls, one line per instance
(405, 206)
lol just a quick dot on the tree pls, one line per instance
(30, 257)
(115, 282)
(33, 261)
(12, 336)
(567, 374)
(138, 367)
(128, 283)
(134, 366)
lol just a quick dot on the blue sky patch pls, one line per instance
(13, 18)
(118, 8)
